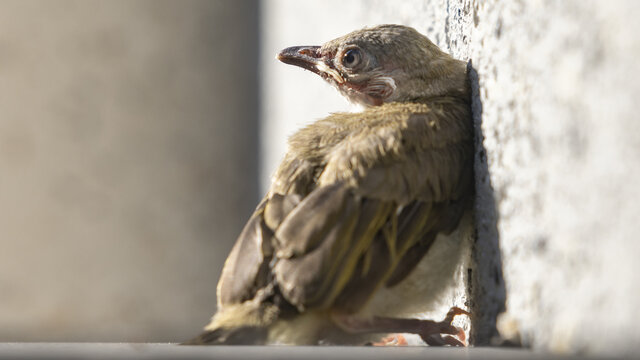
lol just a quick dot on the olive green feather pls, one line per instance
(359, 197)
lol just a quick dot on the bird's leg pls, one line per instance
(430, 331)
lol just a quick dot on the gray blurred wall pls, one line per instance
(128, 163)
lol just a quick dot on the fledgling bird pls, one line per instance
(357, 201)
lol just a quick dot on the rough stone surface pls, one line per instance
(559, 85)
(558, 151)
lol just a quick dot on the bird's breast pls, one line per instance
(428, 290)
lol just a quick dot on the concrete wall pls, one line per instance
(128, 157)
(559, 86)
(558, 151)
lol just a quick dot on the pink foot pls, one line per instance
(392, 340)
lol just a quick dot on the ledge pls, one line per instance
(172, 351)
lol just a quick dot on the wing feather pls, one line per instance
(246, 268)
(355, 204)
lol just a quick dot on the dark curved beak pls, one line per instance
(306, 57)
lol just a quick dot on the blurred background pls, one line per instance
(136, 137)
(128, 163)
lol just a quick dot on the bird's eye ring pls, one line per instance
(351, 58)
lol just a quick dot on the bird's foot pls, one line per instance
(392, 340)
(432, 332)
(443, 332)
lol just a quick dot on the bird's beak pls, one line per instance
(309, 58)
(306, 57)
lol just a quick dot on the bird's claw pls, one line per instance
(433, 335)
(453, 312)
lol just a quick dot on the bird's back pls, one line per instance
(359, 198)
(357, 201)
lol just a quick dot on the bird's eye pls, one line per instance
(351, 58)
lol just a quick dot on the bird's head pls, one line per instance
(382, 64)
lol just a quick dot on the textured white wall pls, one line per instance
(556, 172)
(559, 89)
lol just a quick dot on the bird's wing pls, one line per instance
(344, 213)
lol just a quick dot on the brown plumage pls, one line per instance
(358, 199)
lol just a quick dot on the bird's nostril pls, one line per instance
(307, 52)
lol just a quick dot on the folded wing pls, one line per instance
(354, 205)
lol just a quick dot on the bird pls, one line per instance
(357, 201)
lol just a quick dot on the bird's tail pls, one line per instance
(238, 324)
(243, 335)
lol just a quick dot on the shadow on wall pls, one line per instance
(487, 288)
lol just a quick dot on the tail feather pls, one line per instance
(244, 335)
